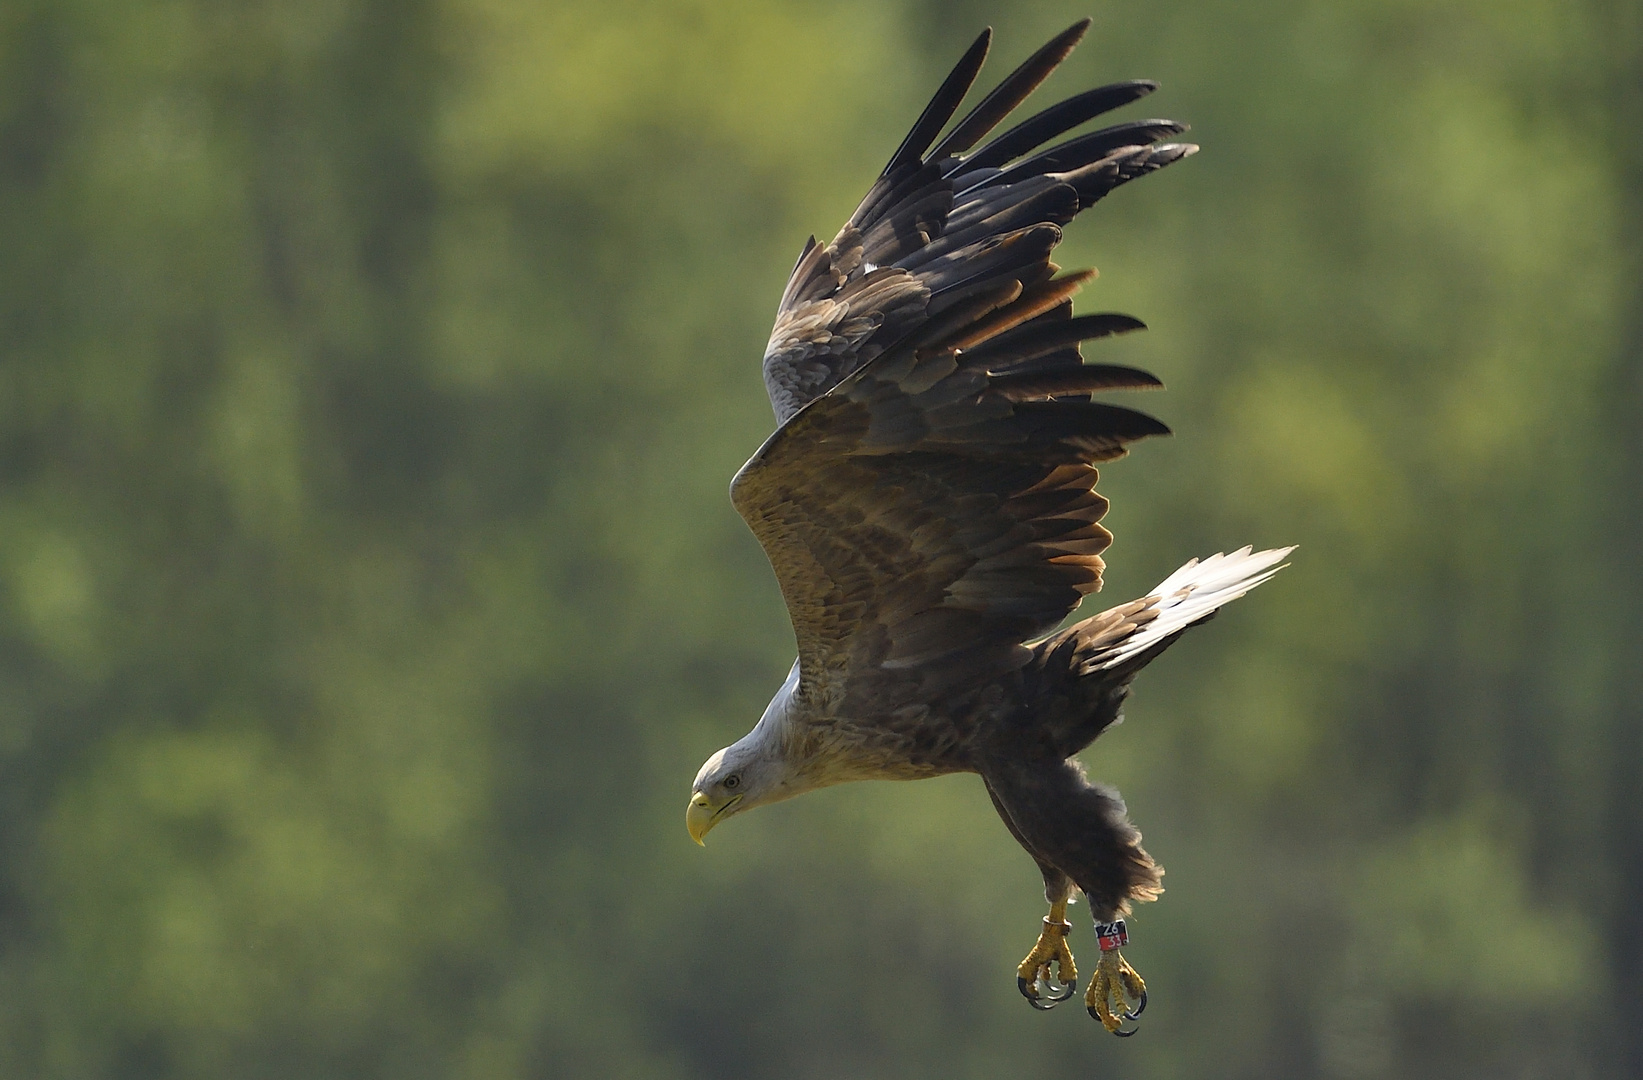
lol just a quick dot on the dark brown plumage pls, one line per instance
(928, 500)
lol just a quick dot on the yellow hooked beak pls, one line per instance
(701, 815)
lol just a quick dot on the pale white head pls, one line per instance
(750, 772)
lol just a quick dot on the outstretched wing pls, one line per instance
(928, 503)
(931, 220)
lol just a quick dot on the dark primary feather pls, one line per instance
(1018, 347)
(937, 236)
(1072, 154)
(1042, 127)
(943, 105)
(1015, 88)
(1086, 379)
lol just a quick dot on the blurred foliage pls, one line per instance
(370, 377)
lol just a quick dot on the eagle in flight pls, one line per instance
(928, 504)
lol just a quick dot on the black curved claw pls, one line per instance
(1120, 1033)
(1139, 1009)
(1055, 993)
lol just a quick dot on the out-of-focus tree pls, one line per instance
(370, 376)
(1620, 831)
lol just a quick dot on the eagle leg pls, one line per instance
(1114, 982)
(1042, 990)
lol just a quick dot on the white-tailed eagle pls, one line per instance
(928, 504)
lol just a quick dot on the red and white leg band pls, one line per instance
(1112, 935)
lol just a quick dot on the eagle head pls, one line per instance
(760, 767)
(734, 779)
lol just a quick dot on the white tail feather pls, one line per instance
(1193, 593)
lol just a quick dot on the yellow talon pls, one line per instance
(1033, 976)
(1114, 980)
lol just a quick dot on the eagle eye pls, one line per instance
(732, 782)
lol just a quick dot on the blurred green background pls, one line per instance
(371, 375)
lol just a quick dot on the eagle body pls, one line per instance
(928, 500)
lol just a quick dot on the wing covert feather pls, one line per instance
(921, 520)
